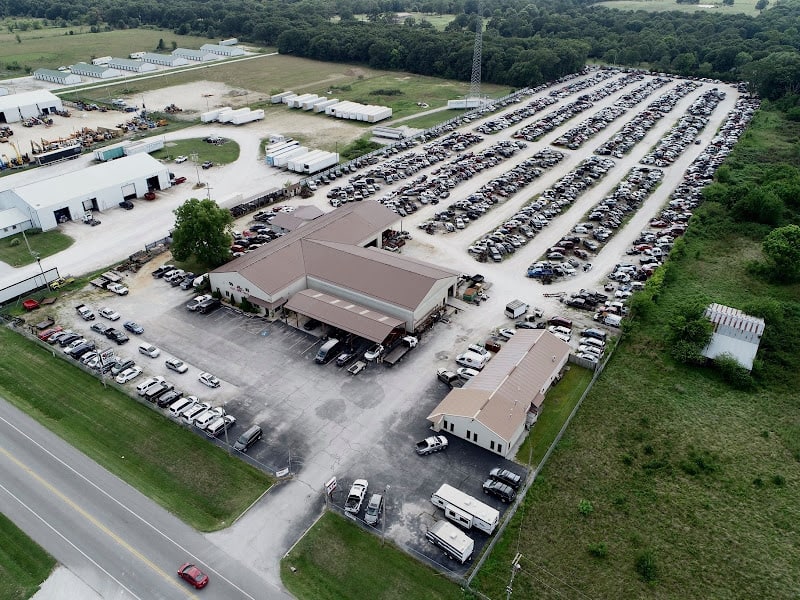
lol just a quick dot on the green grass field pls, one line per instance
(439, 21)
(53, 47)
(24, 565)
(222, 155)
(138, 444)
(16, 253)
(337, 560)
(716, 7)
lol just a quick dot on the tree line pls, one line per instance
(524, 43)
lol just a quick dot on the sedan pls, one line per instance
(134, 327)
(208, 164)
(109, 314)
(100, 328)
(506, 333)
(177, 365)
(149, 350)
(181, 158)
(129, 374)
(209, 380)
(193, 576)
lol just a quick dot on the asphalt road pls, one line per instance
(115, 540)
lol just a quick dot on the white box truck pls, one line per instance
(515, 309)
(465, 510)
(455, 543)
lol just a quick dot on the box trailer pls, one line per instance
(110, 152)
(281, 160)
(249, 117)
(228, 116)
(288, 98)
(101, 60)
(213, 115)
(388, 132)
(278, 98)
(296, 164)
(516, 308)
(322, 106)
(321, 163)
(147, 145)
(309, 104)
(465, 510)
(455, 543)
(298, 100)
(229, 42)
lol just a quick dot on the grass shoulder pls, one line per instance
(24, 565)
(336, 559)
(15, 253)
(136, 443)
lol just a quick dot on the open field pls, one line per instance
(53, 47)
(23, 564)
(561, 399)
(136, 443)
(670, 483)
(16, 254)
(223, 154)
(439, 21)
(336, 559)
(746, 7)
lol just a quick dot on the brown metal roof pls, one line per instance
(501, 394)
(398, 280)
(343, 314)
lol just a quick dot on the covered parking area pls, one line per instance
(345, 315)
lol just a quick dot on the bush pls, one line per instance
(646, 566)
(598, 550)
(732, 372)
(585, 507)
(14, 243)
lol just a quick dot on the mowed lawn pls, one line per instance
(138, 444)
(337, 560)
(53, 47)
(222, 154)
(15, 253)
(715, 7)
(24, 565)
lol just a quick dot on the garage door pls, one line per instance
(129, 191)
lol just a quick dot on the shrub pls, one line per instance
(14, 243)
(778, 480)
(646, 566)
(698, 463)
(585, 507)
(732, 372)
(598, 550)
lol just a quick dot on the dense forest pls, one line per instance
(524, 43)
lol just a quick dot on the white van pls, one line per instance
(471, 360)
(589, 341)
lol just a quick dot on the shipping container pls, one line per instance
(228, 116)
(323, 106)
(144, 146)
(315, 166)
(110, 152)
(281, 160)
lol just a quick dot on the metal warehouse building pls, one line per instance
(48, 202)
(16, 107)
(222, 50)
(96, 71)
(195, 55)
(53, 76)
(332, 269)
(167, 60)
(492, 408)
(128, 64)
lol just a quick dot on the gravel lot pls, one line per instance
(321, 419)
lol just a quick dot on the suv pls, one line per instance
(500, 490)
(149, 350)
(374, 509)
(177, 365)
(248, 438)
(505, 476)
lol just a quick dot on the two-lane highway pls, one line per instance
(120, 543)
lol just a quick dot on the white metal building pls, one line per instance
(128, 64)
(195, 55)
(735, 333)
(96, 71)
(332, 269)
(69, 196)
(53, 76)
(222, 50)
(492, 408)
(166, 60)
(16, 107)
(13, 220)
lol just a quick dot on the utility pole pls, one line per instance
(383, 516)
(514, 568)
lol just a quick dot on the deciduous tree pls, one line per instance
(202, 230)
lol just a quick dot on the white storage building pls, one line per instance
(96, 71)
(229, 42)
(128, 64)
(53, 76)
(66, 197)
(195, 55)
(165, 60)
(221, 50)
(16, 107)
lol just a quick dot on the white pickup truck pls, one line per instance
(435, 443)
(355, 498)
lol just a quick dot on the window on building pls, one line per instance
(469, 434)
(452, 427)
(13, 227)
(445, 424)
(227, 293)
(499, 448)
(491, 445)
(475, 437)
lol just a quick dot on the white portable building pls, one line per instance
(229, 42)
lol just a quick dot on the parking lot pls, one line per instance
(319, 421)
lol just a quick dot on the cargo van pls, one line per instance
(560, 322)
(515, 309)
(248, 438)
(328, 351)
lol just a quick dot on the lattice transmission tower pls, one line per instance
(477, 52)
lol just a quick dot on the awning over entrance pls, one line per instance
(341, 313)
(264, 304)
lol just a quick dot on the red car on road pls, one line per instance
(193, 576)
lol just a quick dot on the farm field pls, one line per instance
(746, 7)
(53, 47)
